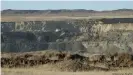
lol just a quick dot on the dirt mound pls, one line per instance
(125, 60)
(68, 62)
(71, 65)
(78, 65)
(31, 59)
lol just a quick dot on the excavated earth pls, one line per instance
(80, 45)
(66, 61)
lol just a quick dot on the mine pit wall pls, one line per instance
(119, 26)
(115, 37)
(35, 26)
(108, 47)
(75, 47)
(106, 25)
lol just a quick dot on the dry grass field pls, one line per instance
(63, 16)
(49, 70)
(55, 18)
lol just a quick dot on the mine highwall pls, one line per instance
(119, 26)
(41, 35)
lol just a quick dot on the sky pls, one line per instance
(89, 5)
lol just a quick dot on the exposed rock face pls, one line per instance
(32, 26)
(94, 36)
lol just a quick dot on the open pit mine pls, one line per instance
(72, 45)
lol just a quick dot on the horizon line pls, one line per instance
(73, 9)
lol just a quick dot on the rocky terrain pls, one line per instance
(85, 35)
(65, 61)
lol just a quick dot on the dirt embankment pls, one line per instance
(68, 62)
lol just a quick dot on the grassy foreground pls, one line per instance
(50, 70)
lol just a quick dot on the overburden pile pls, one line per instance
(66, 61)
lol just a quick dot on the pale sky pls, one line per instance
(43, 5)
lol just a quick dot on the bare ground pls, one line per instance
(48, 70)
